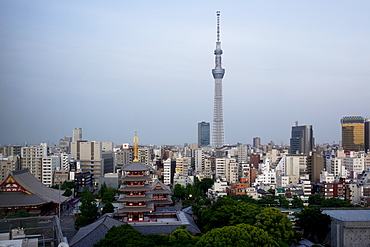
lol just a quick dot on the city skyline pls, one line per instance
(115, 68)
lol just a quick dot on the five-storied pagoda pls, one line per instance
(140, 196)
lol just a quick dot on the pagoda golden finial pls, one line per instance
(136, 147)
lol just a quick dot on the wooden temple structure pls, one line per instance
(21, 190)
(140, 197)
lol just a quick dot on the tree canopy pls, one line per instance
(123, 235)
(227, 212)
(88, 210)
(239, 235)
(277, 225)
(314, 223)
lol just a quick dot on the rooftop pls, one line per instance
(349, 215)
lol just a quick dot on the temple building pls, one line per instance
(140, 197)
(21, 190)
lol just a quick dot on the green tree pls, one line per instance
(335, 202)
(123, 235)
(227, 212)
(158, 240)
(283, 202)
(88, 210)
(269, 201)
(108, 208)
(297, 202)
(315, 199)
(240, 235)
(67, 192)
(205, 184)
(314, 223)
(108, 195)
(182, 237)
(277, 224)
(179, 191)
(244, 198)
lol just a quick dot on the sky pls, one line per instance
(116, 67)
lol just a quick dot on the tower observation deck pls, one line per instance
(218, 133)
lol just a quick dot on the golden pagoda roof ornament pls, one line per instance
(136, 148)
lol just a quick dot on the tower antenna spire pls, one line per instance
(218, 25)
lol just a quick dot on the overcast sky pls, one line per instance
(115, 67)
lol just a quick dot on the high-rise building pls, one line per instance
(353, 133)
(77, 134)
(218, 132)
(301, 141)
(203, 134)
(91, 157)
(257, 142)
(315, 164)
(367, 135)
(31, 158)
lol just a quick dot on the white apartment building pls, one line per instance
(31, 158)
(167, 172)
(335, 166)
(65, 159)
(144, 155)
(49, 165)
(221, 166)
(244, 170)
(208, 172)
(282, 181)
(326, 177)
(232, 172)
(199, 160)
(295, 165)
(182, 166)
(355, 163)
(8, 164)
(267, 177)
(242, 153)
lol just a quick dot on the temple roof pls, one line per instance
(157, 182)
(136, 178)
(19, 199)
(131, 209)
(136, 166)
(36, 192)
(157, 187)
(93, 233)
(134, 188)
(125, 198)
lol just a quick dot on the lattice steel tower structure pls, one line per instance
(218, 132)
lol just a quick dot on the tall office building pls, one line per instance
(315, 165)
(301, 141)
(367, 135)
(353, 133)
(257, 142)
(77, 134)
(203, 134)
(218, 133)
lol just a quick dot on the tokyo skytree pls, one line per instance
(218, 133)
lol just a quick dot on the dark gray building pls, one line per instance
(301, 141)
(367, 135)
(203, 134)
